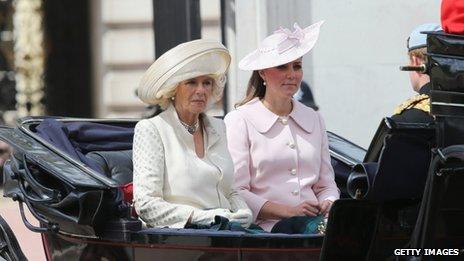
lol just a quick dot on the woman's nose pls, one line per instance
(201, 88)
(291, 74)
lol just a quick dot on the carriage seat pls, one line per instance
(116, 165)
(396, 164)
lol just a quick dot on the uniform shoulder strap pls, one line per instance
(421, 102)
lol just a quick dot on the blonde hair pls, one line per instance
(166, 100)
(255, 88)
(216, 93)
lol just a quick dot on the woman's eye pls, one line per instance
(281, 67)
(190, 82)
(297, 66)
(208, 83)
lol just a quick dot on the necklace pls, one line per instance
(191, 128)
(283, 119)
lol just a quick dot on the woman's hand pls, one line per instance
(306, 208)
(242, 216)
(325, 206)
(206, 217)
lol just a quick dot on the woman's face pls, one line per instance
(283, 80)
(192, 95)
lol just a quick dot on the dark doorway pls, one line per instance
(68, 59)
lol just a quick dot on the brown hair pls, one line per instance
(255, 88)
(419, 53)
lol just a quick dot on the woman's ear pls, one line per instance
(261, 74)
(174, 93)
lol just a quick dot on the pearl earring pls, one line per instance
(172, 98)
(264, 83)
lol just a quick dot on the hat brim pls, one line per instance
(254, 61)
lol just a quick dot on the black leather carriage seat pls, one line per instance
(116, 165)
(398, 161)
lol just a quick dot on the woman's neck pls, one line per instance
(186, 116)
(281, 107)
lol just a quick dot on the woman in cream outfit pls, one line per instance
(278, 145)
(183, 173)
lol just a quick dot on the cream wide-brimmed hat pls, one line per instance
(282, 47)
(185, 61)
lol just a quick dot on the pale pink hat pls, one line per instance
(282, 47)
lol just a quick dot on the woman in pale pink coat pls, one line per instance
(279, 146)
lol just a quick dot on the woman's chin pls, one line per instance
(198, 108)
(289, 94)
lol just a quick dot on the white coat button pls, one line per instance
(293, 172)
(295, 192)
(284, 121)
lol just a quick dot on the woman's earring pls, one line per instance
(172, 98)
(264, 83)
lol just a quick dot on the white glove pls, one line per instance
(206, 217)
(242, 216)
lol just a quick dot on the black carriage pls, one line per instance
(83, 213)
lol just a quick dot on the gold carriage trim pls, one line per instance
(421, 102)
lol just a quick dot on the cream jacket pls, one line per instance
(170, 180)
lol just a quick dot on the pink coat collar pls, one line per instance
(263, 119)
